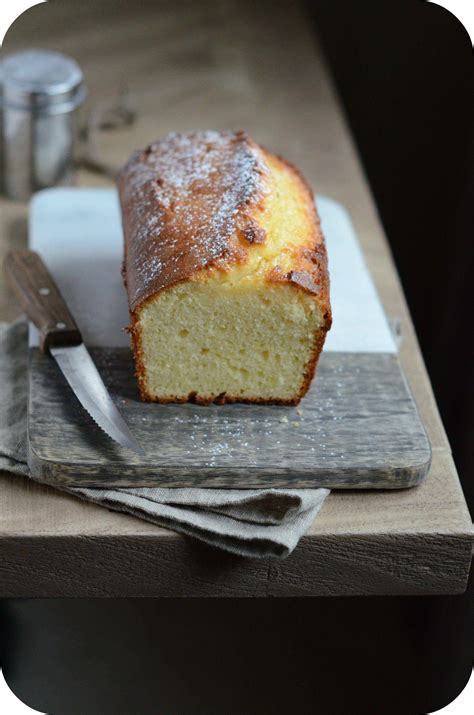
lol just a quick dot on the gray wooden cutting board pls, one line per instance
(358, 427)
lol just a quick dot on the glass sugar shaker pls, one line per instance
(40, 91)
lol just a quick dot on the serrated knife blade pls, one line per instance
(40, 298)
(83, 377)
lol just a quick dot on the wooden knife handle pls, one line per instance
(39, 297)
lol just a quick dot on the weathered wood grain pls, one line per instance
(139, 566)
(357, 428)
(53, 545)
(223, 65)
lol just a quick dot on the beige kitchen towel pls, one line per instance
(248, 522)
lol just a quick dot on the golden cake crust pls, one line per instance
(191, 204)
(186, 205)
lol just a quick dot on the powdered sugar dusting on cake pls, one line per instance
(184, 198)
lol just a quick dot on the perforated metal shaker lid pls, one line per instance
(41, 80)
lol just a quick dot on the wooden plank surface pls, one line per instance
(358, 428)
(229, 64)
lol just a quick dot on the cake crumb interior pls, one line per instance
(210, 337)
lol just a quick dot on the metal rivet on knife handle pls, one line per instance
(41, 300)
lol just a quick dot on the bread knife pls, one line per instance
(40, 298)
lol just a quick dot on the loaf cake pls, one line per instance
(226, 271)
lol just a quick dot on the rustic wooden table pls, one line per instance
(255, 66)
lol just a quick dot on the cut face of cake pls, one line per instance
(226, 271)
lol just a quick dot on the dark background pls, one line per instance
(405, 75)
(404, 72)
